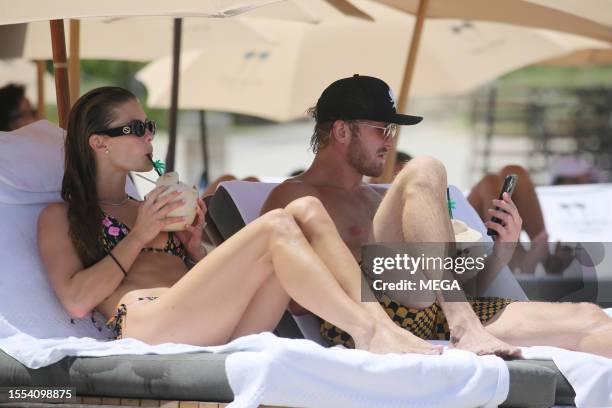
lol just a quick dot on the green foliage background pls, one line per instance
(95, 73)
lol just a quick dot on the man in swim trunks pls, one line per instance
(356, 121)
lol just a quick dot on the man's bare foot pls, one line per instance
(384, 340)
(481, 342)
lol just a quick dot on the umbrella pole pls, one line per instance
(40, 87)
(204, 142)
(74, 63)
(60, 67)
(176, 60)
(387, 175)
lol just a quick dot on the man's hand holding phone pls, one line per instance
(506, 223)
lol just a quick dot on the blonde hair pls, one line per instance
(321, 134)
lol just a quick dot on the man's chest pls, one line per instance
(353, 215)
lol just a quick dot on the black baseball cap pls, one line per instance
(360, 97)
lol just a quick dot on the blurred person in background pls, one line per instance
(15, 109)
(527, 203)
(565, 170)
(572, 169)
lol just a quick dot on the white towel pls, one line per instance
(302, 373)
(265, 369)
(589, 375)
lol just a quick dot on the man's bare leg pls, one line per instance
(573, 326)
(417, 197)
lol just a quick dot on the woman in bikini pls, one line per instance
(104, 250)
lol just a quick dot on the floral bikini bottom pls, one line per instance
(117, 322)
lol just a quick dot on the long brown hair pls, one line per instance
(92, 112)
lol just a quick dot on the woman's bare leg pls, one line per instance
(208, 304)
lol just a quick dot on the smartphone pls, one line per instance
(508, 187)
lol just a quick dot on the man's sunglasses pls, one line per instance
(135, 127)
(388, 132)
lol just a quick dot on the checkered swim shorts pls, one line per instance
(429, 323)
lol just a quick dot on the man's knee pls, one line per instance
(426, 171)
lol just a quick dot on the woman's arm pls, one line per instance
(79, 290)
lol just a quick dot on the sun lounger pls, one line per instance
(31, 167)
(30, 305)
(237, 203)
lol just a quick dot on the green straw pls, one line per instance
(451, 204)
(158, 165)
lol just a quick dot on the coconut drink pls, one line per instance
(188, 194)
(465, 234)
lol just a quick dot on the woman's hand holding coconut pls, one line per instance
(153, 214)
(192, 210)
(191, 236)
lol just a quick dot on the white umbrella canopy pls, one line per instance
(148, 38)
(589, 18)
(280, 80)
(30, 10)
(23, 11)
(23, 72)
(458, 56)
(597, 10)
(141, 38)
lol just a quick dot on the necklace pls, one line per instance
(119, 204)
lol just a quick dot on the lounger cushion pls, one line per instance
(564, 392)
(532, 383)
(28, 301)
(31, 164)
(31, 171)
(192, 376)
(201, 377)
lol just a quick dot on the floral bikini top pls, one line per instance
(114, 231)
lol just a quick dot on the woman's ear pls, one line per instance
(97, 143)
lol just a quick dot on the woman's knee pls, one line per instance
(308, 209)
(281, 226)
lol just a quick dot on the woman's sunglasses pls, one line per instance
(135, 127)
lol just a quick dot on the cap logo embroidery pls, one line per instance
(392, 96)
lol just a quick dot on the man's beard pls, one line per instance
(357, 158)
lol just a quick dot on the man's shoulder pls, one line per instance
(294, 188)
(288, 191)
